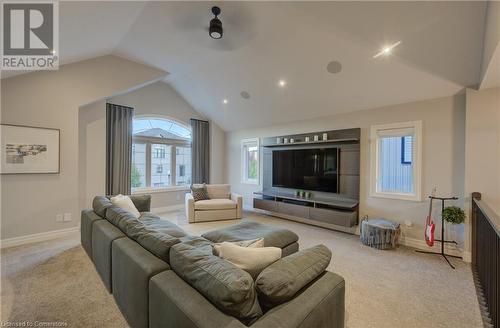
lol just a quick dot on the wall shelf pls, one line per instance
(319, 142)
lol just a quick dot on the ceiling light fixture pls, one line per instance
(215, 29)
(282, 83)
(387, 50)
(224, 101)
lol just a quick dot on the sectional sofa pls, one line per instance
(157, 274)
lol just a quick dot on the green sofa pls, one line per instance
(132, 257)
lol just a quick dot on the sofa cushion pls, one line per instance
(199, 192)
(100, 204)
(141, 202)
(273, 236)
(251, 259)
(280, 281)
(155, 241)
(229, 288)
(154, 222)
(214, 204)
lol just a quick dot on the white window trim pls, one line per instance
(243, 163)
(417, 161)
(153, 190)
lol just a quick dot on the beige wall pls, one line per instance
(158, 99)
(443, 155)
(482, 147)
(29, 203)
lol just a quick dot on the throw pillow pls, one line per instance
(125, 203)
(280, 281)
(251, 259)
(259, 242)
(199, 193)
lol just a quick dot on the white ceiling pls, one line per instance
(439, 55)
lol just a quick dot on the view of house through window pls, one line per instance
(161, 153)
(250, 161)
(395, 160)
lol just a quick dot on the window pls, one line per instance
(161, 154)
(250, 161)
(396, 161)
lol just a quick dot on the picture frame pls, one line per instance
(29, 150)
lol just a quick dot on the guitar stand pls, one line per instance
(442, 253)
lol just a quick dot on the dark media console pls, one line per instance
(333, 210)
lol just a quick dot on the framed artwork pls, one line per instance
(29, 150)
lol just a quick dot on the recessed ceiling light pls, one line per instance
(334, 67)
(224, 101)
(387, 50)
(245, 95)
(282, 83)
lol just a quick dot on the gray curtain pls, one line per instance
(200, 151)
(118, 149)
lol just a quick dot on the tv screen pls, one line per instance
(309, 169)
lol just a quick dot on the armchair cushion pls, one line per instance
(214, 204)
(218, 191)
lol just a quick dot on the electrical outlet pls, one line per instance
(59, 218)
(67, 217)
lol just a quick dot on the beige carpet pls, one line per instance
(55, 281)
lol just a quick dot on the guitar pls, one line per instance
(429, 224)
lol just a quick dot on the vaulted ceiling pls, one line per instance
(440, 52)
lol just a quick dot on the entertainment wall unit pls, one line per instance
(325, 164)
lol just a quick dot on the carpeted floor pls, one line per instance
(55, 281)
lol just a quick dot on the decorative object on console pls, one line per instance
(285, 140)
(325, 136)
(292, 140)
(316, 138)
(28, 149)
(278, 140)
(307, 139)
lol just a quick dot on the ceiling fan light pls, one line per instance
(215, 29)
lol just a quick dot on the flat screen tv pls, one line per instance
(309, 169)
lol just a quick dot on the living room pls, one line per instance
(260, 164)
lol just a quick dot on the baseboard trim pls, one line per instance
(37, 237)
(170, 208)
(406, 241)
(449, 249)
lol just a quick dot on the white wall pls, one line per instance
(482, 147)
(443, 155)
(158, 99)
(30, 202)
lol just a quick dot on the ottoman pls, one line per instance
(380, 233)
(273, 236)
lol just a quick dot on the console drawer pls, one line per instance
(263, 204)
(341, 218)
(293, 210)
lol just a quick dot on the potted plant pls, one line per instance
(454, 214)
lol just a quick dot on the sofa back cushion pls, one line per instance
(229, 288)
(157, 242)
(280, 281)
(100, 204)
(219, 191)
(141, 202)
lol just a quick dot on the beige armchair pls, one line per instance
(222, 205)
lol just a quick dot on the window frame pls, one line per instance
(416, 159)
(149, 142)
(244, 169)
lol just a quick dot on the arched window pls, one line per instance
(161, 153)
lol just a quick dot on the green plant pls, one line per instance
(454, 215)
(135, 177)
